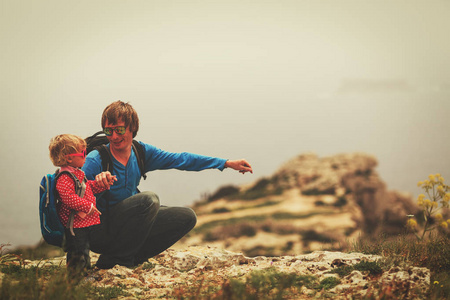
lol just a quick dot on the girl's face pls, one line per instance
(77, 160)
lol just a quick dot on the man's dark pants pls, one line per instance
(138, 228)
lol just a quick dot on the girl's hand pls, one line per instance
(94, 210)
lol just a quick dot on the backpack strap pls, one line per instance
(107, 165)
(83, 187)
(107, 161)
(106, 158)
(70, 221)
(140, 155)
(80, 189)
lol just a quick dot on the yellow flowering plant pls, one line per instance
(436, 199)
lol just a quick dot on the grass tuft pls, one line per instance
(432, 253)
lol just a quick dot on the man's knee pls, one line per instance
(148, 200)
(190, 217)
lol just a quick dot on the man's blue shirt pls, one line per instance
(129, 176)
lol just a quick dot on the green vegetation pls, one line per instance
(277, 223)
(438, 200)
(432, 250)
(252, 194)
(46, 281)
(148, 266)
(328, 283)
(220, 210)
(107, 292)
(432, 253)
(316, 192)
(341, 201)
(312, 235)
(260, 251)
(262, 188)
(41, 251)
(223, 192)
(51, 282)
(260, 284)
(238, 230)
(373, 268)
(265, 284)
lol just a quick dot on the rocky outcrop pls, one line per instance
(310, 203)
(207, 270)
(353, 175)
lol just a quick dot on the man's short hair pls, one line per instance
(62, 145)
(121, 111)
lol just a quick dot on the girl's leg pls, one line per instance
(77, 247)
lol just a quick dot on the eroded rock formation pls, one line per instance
(310, 203)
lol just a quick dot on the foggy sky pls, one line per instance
(261, 80)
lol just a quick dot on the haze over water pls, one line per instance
(261, 80)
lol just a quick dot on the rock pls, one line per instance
(407, 279)
(175, 268)
(205, 270)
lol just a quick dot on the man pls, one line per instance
(134, 227)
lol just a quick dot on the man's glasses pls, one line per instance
(82, 154)
(119, 130)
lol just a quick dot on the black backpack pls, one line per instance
(98, 142)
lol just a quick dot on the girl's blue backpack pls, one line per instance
(51, 227)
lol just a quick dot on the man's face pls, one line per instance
(119, 142)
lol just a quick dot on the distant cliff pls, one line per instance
(310, 203)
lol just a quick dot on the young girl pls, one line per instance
(68, 152)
